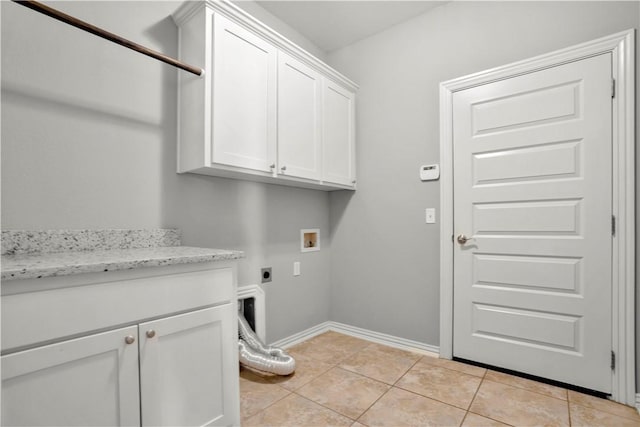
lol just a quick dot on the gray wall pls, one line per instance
(254, 9)
(384, 258)
(89, 141)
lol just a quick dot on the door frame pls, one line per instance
(621, 47)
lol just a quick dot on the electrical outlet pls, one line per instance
(266, 274)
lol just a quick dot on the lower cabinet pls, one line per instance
(173, 370)
(187, 373)
(87, 381)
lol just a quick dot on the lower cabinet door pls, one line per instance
(189, 369)
(88, 381)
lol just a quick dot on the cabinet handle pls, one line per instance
(151, 333)
(130, 339)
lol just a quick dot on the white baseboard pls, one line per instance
(385, 339)
(638, 402)
(365, 334)
(297, 338)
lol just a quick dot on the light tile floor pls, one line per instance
(344, 381)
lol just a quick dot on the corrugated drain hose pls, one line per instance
(254, 354)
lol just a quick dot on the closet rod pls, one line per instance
(68, 19)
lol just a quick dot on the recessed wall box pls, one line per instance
(429, 172)
(310, 240)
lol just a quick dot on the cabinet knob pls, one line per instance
(130, 339)
(353, 182)
(272, 166)
(284, 168)
(151, 333)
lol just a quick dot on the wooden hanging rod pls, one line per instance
(68, 19)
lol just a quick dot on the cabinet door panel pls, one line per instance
(338, 135)
(244, 97)
(189, 369)
(86, 381)
(299, 109)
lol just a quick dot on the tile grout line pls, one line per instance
(484, 377)
(457, 370)
(390, 388)
(604, 411)
(271, 404)
(482, 380)
(526, 389)
(476, 393)
(337, 365)
(438, 400)
(326, 407)
(489, 418)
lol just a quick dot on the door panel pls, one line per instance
(186, 369)
(338, 135)
(299, 131)
(522, 109)
(87, 381)
(520, 272)
(244, 98)
(532, 188)
(541, 162)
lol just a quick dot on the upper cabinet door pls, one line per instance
(244, 97)
(299, 114)
(338, 135)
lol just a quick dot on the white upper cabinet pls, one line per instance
(244, 98)
(299, 114)
(338, 129)
(264, 110)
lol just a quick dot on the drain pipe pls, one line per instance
(254, 354)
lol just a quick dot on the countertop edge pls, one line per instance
(62, 269)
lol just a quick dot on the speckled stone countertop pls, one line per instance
(38, 254)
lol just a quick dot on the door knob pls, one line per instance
(462, 239)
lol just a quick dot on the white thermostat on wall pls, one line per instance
(429, 172)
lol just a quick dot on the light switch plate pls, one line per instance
(430, 215)
(296, 268)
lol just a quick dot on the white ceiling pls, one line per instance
(331, 24)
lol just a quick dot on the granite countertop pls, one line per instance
(38, 254)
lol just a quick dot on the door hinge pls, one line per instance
(613, 225)
(613, 88)
(613, 360)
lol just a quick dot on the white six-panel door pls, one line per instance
(532, 192)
